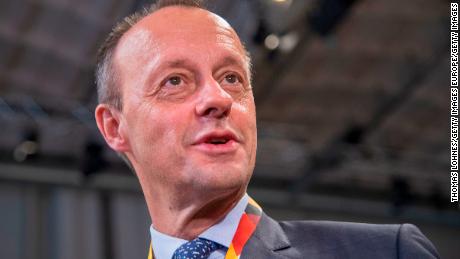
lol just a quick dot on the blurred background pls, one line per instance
(352, 100)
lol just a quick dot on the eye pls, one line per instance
(176, 86)
(232, 79)
(174, 80)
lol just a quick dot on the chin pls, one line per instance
(222, 178)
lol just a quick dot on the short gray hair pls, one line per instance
(107, 80)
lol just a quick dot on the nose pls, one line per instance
(214, 102)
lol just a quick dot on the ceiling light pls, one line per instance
(289, 41)
(286, 3)
(272, 42)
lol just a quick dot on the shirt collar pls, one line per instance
(164, 245)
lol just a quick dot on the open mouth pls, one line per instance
(217, 141)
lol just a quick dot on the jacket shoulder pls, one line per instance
(340, 230)
(342, 238)
(351, 239)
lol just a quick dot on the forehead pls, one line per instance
(184, 27)
(183, 19)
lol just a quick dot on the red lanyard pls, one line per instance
(246, 226)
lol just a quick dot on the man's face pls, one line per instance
(188, 110)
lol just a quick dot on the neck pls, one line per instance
(187, 216)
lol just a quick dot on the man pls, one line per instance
(175, 94)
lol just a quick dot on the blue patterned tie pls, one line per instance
(198, 248)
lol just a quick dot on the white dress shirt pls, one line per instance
(164, 245)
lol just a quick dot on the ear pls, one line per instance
(109, 122)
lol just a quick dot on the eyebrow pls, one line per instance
(226, 61)
(177, 63)
(184, 63)
(229, 61)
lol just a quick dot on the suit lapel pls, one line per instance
(267, 240)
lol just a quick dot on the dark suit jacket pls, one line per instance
(326, 239)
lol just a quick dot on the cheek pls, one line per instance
(146, 128)
(247, 123)
(247, 110)
(160, 128)
(245, 103)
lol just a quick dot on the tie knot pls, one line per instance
(198, 248)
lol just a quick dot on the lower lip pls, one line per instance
(216, 149)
